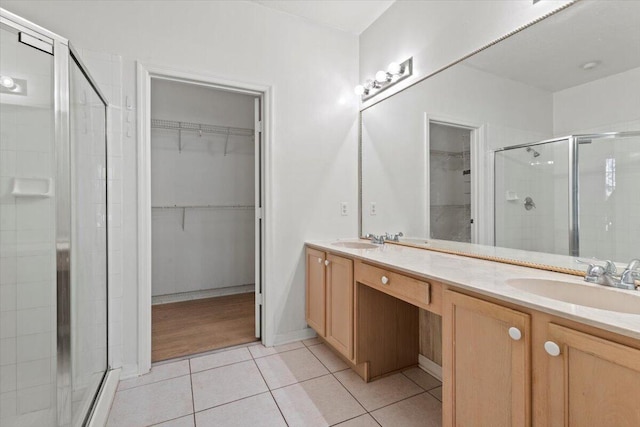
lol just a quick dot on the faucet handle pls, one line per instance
(609, 267)
(631, 273)
(394, 237)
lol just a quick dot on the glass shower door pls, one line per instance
(27, 235)
(608, 176)
(88, 294)
(532, 197)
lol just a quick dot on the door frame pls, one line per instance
(145, 72)
(480, 191)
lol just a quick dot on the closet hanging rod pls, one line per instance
(200, 127)
(221, 207)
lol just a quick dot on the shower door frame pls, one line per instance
(63, 53)
(574, 142)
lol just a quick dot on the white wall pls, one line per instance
(216, 247)
(312, 70)
(610, 104)
(437, 33)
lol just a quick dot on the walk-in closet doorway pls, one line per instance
(201, 216)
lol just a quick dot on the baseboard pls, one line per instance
(206, 293)
(430, 367)
(288, 337)
(104, 401)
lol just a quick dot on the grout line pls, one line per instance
(152, 382)
(272, 396)
(401, 400)
(349, 391)
(416, 383)
(279, 352)
(172, 419)
(193, 402)
(229, 402)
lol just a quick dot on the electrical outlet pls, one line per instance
(373, 209)
(344, 209)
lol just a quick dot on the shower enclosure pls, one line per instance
(573, 196)
(53, 239)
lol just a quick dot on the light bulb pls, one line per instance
(369, 84)
(359, 90)
(7, 82)
(382, 76)
(394, 68)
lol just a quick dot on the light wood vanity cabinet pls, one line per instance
(591, 381)
(330, 293)
(486, 363)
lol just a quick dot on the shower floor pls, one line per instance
(190, 327)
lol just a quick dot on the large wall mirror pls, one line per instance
(528, 150)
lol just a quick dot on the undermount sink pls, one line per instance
(585, 295)
(355, 245)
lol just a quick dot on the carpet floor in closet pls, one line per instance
(190, 327)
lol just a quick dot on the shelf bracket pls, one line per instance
(226, 143)
(183, 215)
(180, 141)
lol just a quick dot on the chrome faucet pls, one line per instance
(606, 275)
(391, 237)
(630, 275)
(375, 239)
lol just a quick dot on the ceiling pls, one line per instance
(549, 55)
(352, 16)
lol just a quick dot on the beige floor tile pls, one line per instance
(157, 373)
(179, 422)
(312, 341)
(255, 411)
(262, 351)
(422, 378)
(437, 393)
(217, 386)
(152, 403)
(422, 410)
(222, 358)
(317, 402)
(291, 367)
(380, 392)
(328, 358)
(365, 420)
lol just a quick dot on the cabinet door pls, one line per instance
(593, 381)
(316, 290)
(340, 304)
(486, 370)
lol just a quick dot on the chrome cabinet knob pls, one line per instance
(384, 280)
(515, 333)
(552, 348)
(326, 262)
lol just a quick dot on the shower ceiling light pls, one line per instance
(7, 82)
(13, 86)
(590, 65)
(395, 73)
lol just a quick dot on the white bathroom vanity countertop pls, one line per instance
(489, 278)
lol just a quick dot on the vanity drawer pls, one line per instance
(406, 288)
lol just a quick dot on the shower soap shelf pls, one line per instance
(32, 187)
(511, 196)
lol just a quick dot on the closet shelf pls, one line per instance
(215, 207)
(220, 207)
(201, 128)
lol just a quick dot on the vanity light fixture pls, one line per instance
(395, 73)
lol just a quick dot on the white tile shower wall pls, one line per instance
(27, 254)
(215, 249)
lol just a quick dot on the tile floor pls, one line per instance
(298, 384)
